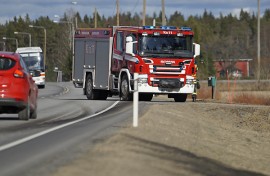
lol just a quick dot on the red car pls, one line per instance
(18, 91)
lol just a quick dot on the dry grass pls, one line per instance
(257, 98)
(206, 93)
(237, 92)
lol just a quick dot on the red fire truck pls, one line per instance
(106, 59)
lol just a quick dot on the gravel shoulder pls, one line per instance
(201, 138)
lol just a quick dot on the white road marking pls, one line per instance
(20, 141)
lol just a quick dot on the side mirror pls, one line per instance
(197, 49)
(129, 45)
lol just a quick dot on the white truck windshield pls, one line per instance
(34, 61)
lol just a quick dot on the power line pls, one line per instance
(114, 8)
(132, 11)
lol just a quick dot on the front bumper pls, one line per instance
(187, 88)
(39, 80)
(145, 88)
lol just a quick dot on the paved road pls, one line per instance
(66, 123)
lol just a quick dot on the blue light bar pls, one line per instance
(148, 27)
(184, 28)
(168, 27)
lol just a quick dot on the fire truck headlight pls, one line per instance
(189, 81)
(142, 80)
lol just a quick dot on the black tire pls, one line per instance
(41, 86)
(25, 113)
(89, 91)
(145, 96)
(125, 95)
(180, 97)
(33, 114)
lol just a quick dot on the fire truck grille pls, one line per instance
(167, 69)
(167, 83)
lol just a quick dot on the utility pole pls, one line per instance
(117, 13)
(163, 13)
(144, 11)
(76, 19)
(259, 46)
(95, 17)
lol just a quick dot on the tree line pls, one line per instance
(226, 37)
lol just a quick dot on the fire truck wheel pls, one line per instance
(180, 97)
(125, 95)
(90, 94)
(145, 96)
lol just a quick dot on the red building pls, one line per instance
(235, 68)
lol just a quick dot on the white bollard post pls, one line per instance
(135, 100)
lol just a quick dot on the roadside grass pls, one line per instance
(237, 92)
(206, 93)
(252, 98)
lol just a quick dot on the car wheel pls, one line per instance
(41, 86)
(33, 114)
(25, 113)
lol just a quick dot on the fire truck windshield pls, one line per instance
(165, 46)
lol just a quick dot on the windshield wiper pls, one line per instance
(151, 55)
(166, 52)
(183, 53)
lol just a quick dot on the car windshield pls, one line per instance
(6, 63)
(165, 46)
(34, 61)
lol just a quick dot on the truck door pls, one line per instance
(118, 50)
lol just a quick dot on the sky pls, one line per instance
(50, 8)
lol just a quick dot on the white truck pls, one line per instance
(33, 58)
